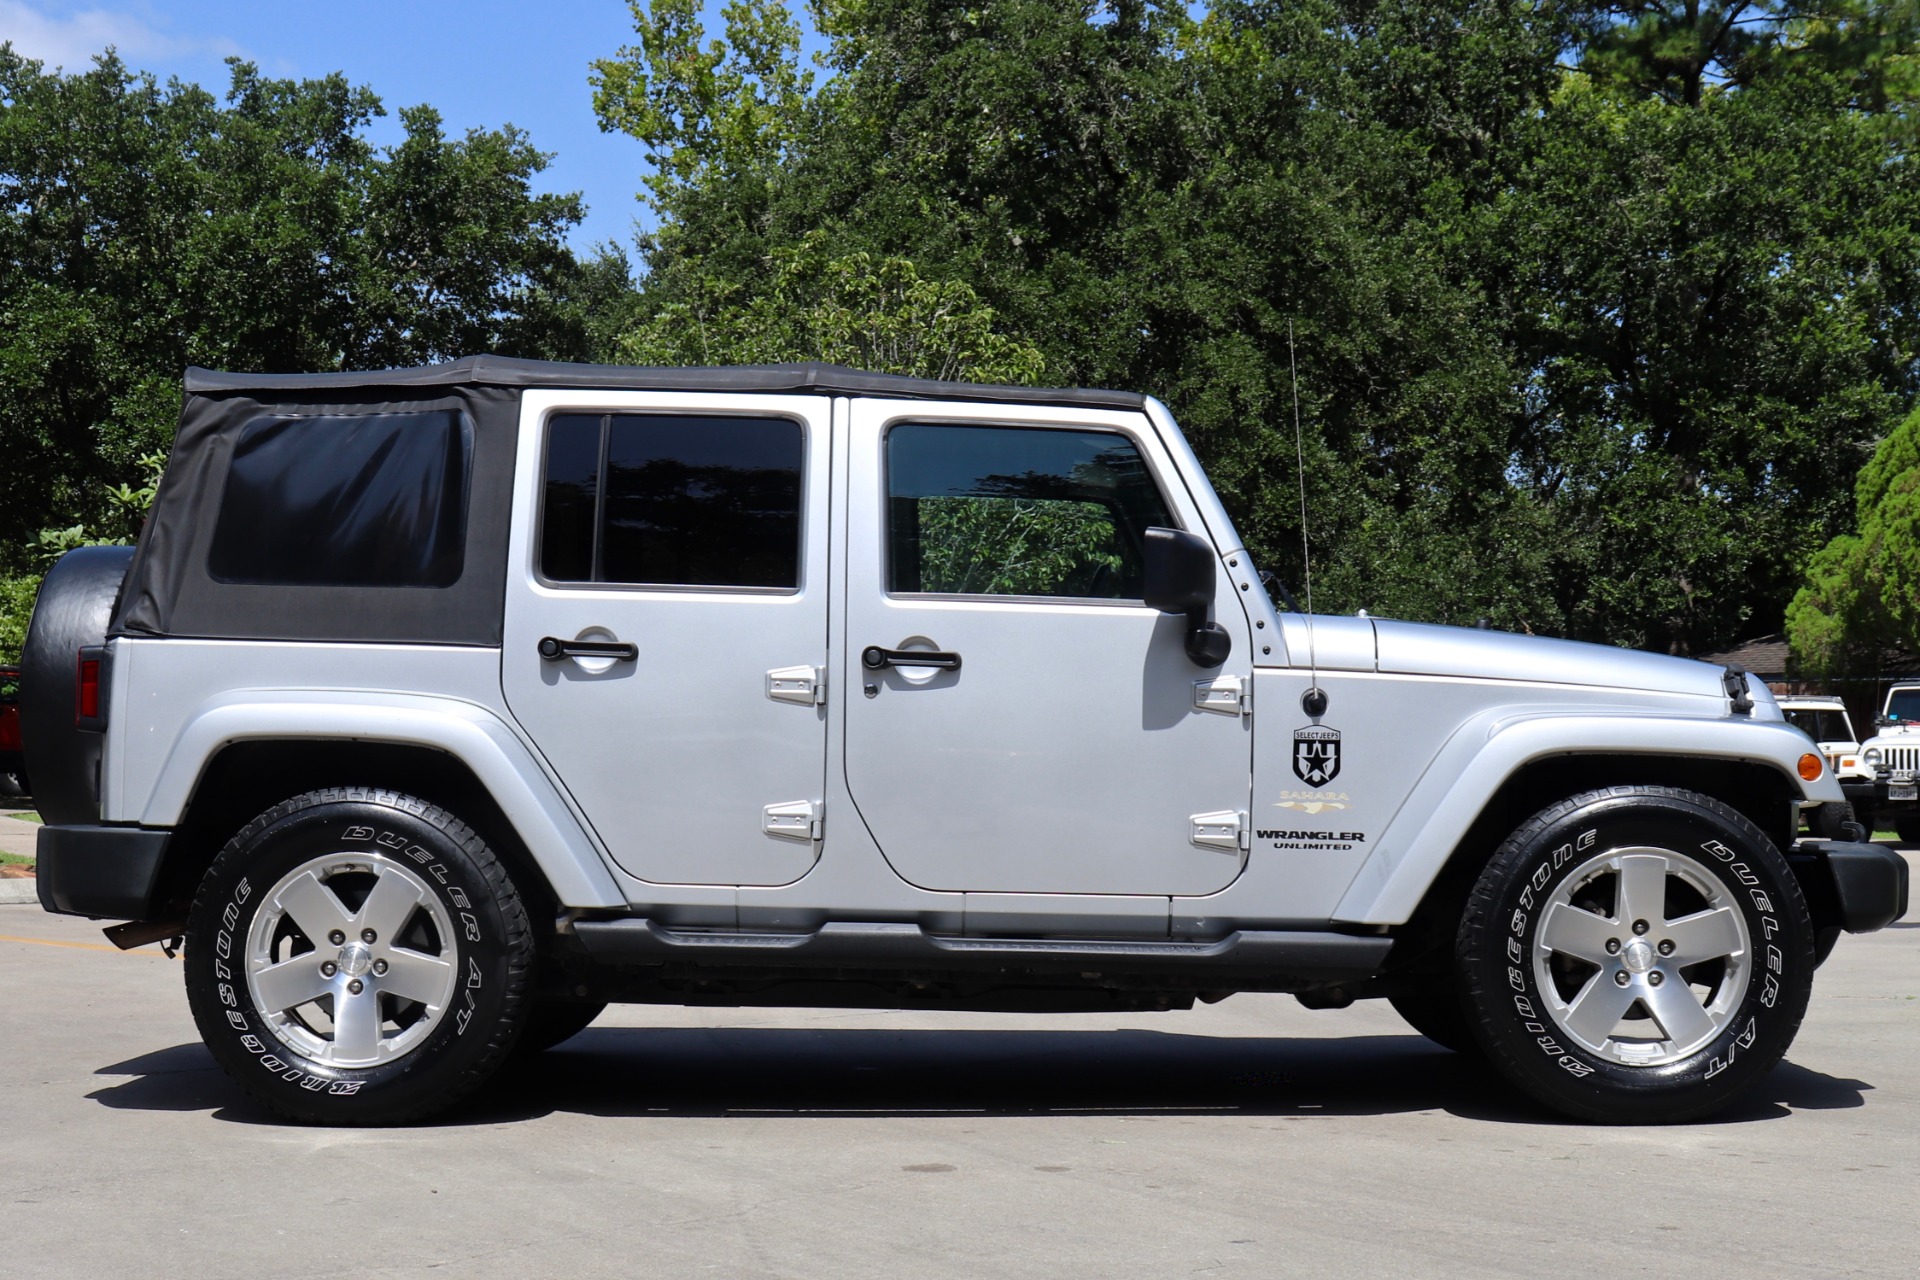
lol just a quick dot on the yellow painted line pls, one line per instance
(77, 946)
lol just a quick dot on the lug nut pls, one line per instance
(366, 935)
(1655, 978)
(1666, 947)
(328, 968)
(355, 987)
(1622, 978)
(1613, 946)
(379, 967)
(336, 937)
(1639, 926)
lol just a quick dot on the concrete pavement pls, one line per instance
(1250, 1138)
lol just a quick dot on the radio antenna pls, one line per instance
(1313, 701)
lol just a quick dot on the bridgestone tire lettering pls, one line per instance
(489, 944)
(1757, 998)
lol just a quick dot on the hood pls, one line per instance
(1414, 648)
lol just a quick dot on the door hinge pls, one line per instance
(802, 686)
(795, 820)
(1226, 829)
(1223, 695)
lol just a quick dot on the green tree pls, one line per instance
(853, 311)
(1596, 309)
(144, 228)
(1862, 592)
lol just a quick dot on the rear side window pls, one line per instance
(672, 501)
(1017, 511)
(373, 500)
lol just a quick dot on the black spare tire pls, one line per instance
(75, 603)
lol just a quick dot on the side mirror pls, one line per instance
(1179, 579)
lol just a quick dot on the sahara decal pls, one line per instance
(1312, 801)
(1316, 754)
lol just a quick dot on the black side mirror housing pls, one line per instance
(1179, 579)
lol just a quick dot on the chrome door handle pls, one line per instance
(874, 658)
(554, 649)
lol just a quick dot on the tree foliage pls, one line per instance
(1596, 309)
(144, 228)
(1862, 593)
(147, 227)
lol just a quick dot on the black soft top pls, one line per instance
(789, 379)
(171, 589)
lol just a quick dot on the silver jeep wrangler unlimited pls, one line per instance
(439, 707)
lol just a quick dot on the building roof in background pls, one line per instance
(1762, 656)
(1765, 657)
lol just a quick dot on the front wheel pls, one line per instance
(358, 957)
(1636, 955)
(1431, 1006)
(1908, 829)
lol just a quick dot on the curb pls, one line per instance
(19, 891)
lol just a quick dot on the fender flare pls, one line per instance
(574, 867)
(1493, 746)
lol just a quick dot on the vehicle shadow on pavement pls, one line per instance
(693, 1072)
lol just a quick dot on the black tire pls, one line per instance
(1722, 889)
(1432, 1007)
(75, 604)
(1908, 830)
(1828, 822)
(443, 899)
(554, 1022)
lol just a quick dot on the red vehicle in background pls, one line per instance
(13, 761)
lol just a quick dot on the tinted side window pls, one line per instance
(1020, 511)
(663, 500)
(376, 500)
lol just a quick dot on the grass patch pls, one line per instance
(27, 817)
(17, 859)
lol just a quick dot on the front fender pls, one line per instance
(470, 733)
(1487, 750)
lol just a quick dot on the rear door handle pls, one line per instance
(874, 658)
(554, 649)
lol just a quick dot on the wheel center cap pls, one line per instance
(355, 960)
(1637, 956)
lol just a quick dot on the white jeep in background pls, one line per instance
(1894, 753)
(439, 707)
(1824, 719)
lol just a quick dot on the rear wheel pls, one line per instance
(358, 957)
(554, 1022)
(1636, 955)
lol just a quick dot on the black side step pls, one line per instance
(1312, 957)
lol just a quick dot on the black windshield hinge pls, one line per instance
(1734, 681)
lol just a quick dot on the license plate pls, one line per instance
(1903, 791)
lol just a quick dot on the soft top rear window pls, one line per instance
(368, 500)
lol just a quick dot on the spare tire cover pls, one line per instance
(75, 602)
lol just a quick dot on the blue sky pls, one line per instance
(483, 63)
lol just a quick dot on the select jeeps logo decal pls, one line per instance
(1316, 754)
